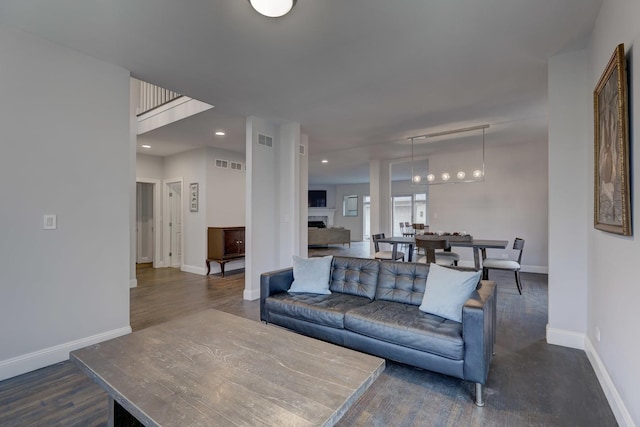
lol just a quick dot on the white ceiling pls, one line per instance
(356, 74)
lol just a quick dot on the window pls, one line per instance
(411, 209)
(350, 205)
(366, 218)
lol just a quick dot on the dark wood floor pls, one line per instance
(530, 382)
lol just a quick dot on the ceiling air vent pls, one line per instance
(265, 141)
(222, 163)
(303, 150)
(236, 166)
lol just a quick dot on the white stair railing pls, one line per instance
(152, 96)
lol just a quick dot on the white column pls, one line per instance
(380, 192)
(133, 141)
(273, 199)
(304, 194)
(570, 203)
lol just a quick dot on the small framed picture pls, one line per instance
(193, 197)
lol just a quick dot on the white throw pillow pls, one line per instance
(311, 275)
(447, 290)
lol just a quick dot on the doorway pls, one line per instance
(144, 223)
(173, 223)
(148, 225)
(366, 218)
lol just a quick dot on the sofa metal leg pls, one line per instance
(479, 399)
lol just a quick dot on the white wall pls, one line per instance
(225, 190)
(225, 196)
(191, 167)
(353, 223)
(148, 166)
(511, 202)
(613, 273)
(66, 288)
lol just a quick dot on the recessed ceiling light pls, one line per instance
(324, 161)
(146, 146)
(220, 133)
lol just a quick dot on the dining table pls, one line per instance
(479, 246)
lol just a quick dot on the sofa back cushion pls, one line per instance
(355, 276)
(402, 282)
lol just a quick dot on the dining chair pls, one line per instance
(408, 230)
(447, 253)
(388, 255)
(418, 228)
(429, 245)
(505, 264)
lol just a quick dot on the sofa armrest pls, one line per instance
(479, 331)
(271, 283)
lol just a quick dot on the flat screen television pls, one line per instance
(317, 198)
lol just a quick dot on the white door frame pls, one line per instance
(166, 232)
(157, 220)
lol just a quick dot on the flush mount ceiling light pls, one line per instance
(146, 146)
(220, 133)
(324, 161)
(273, 8)
(474, 174)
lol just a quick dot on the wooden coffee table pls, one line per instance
(213, 368)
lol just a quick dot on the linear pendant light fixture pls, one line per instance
(444, 177)
(273, 8)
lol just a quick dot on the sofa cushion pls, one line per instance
(327, 310)
(354, 276)
(311, 275)
(406, 325)
(402, 282)
(447, 290)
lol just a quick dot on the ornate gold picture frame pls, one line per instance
(612, 202)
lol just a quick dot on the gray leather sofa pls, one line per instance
(373, 308)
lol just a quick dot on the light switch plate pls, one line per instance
(50, 222)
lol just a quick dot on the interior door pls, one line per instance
(175, 224)
(144, 222)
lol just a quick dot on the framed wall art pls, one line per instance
(612, 202)
(193, 197)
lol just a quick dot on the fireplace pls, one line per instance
(322, 214)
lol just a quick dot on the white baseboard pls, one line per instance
(615, 401)
(194, 269)
(540, 269)
(48, 356)
(251, 295)
(565, 338)
(133, 283)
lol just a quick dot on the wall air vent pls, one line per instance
(222, 163)
(265, 141)
(303, 150)
(236, 166)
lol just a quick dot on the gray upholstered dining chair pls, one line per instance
(429, 245)
(447, 253)
(505, 264)
(388, 255)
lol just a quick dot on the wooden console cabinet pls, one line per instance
(224, 244)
